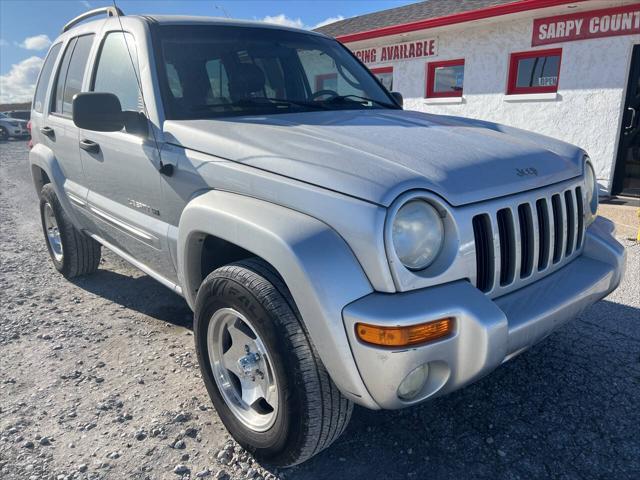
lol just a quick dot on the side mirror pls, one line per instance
(98, 111)
(397, 96)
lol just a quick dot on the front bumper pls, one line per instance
(17, 132)
(487, 332)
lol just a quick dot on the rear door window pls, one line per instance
(58, 88)
(45, 75)
(71, 74)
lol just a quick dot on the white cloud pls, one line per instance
(19, 84)
(327, 21)
(86, 4)
(38, 42)
(285, 21)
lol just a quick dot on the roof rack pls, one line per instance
(110, 11)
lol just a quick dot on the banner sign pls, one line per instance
(399, 51)
(607, 22)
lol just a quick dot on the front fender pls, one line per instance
(316, 264)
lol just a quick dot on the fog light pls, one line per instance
(413, 383)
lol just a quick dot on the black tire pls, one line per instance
(80, 253)
(313, 412)
(4, 135)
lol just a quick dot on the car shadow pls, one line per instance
(142, 294)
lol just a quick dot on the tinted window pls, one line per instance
(20, 114)
(75, 74)
(226, 71)
(45, 74)
(70, 74)
(115, 72)
(58, 88)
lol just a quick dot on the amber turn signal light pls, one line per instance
(404, 336)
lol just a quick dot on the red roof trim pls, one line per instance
(482, 13)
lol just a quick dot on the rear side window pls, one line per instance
(115, 72)
(174, 81)
(58, 88)
(43, 80)
(70, 74)
(219, 81)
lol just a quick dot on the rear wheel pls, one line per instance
(73, 252)
(261, 371)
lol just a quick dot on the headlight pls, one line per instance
(591, 191)
(418, 234)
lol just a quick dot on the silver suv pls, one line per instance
(336, 249)
(12, 127)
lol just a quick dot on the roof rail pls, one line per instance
(110, 11)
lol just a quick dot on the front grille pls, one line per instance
(484, 251)
(514, 243)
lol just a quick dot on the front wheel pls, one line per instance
(261, 371)
(4, 134)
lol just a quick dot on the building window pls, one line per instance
(327, 81)
(385, 75)
(445, 79)
(534, 72)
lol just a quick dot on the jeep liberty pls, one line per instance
(335, 248)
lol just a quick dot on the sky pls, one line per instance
(27, 27)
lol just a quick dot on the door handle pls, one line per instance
(633, 118)
(89, 146)
(48, 131)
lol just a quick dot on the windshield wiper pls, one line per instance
(264, 102)
(345, 98)
(284, 101)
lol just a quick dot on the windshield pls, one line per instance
(216, 71)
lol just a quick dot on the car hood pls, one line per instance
(11, 119)
(376, 155)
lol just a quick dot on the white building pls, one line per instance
(567, 69)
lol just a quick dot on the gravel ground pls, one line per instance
(98, 379)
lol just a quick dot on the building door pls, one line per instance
(626, 180)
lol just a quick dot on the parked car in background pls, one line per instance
(12, 127)
(335, 248)
(20, 114)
